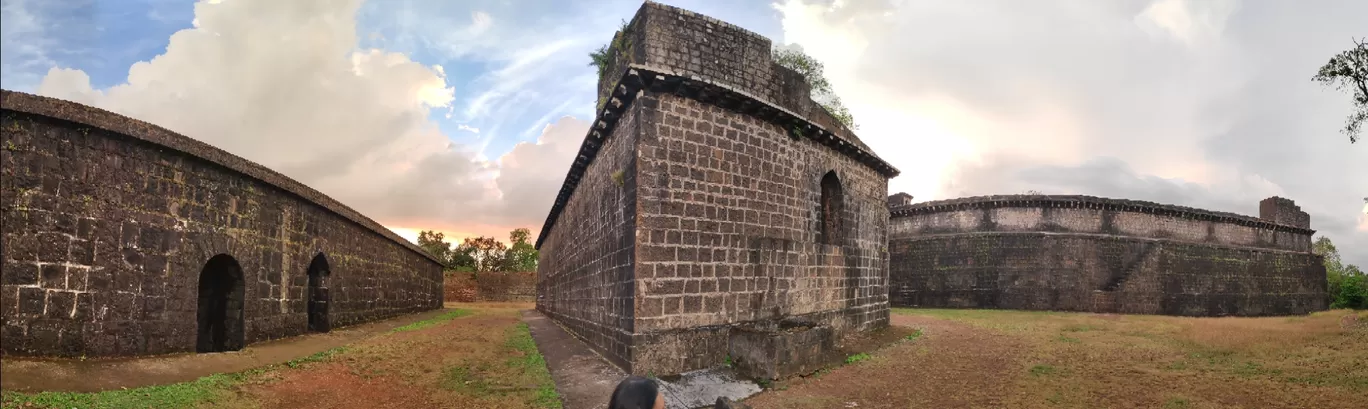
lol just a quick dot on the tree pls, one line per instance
(435, 244)
(485, 252)
(1349, 69)
(521, 254)
(463, 258)
(811, 69)
(1346, 284)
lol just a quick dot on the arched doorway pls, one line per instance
(318, 294)
(832, 209)
(220, 305)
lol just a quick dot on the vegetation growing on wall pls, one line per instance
(482, 254)
(1348, 285)
(604, 56)
(792, 58)
(811, 69)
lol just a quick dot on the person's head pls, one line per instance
(637, 392)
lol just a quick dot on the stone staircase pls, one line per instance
(1104, 300)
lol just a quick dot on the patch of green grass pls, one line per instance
(727, 361)
(1176, 403)
(533, 366)
(857, 358)
(431, 322)
(917, 333)
(1081, 328)
(1041, 370)
(318, 357)
(466, 380)
(1070, 340)
(178, 395)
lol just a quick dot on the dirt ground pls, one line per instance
(482, 356)
(94, 375)
(1016, 359)
(478, 361)
(473, 356)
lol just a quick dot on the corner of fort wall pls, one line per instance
(727, 153)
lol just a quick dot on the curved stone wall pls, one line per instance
(1080, 253)
(110, 225)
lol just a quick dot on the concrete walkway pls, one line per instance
(94, 375)
(586, 380)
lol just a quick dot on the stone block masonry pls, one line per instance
(122, 238)
(713, 197)
(1079, 253)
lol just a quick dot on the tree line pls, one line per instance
(1347, 284)
(482, 254)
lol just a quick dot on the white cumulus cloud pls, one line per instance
(1197, 103)
(284, 84)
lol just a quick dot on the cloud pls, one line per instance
(1363, 220)
(36, 34)
(1197, 103)
(1188, 21)
(296, 93)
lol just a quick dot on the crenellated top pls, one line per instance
(98, 118)
(1093, 202)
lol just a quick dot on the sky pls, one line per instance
(463, 116)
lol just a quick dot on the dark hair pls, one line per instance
(635, 392)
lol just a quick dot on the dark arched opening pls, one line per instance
(220, 305)
(318, 294)
(833, 208)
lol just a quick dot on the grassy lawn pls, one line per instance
(482, 356)
(1031, 359)
(1086, 360)
(476, 357)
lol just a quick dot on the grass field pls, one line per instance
(1019, 359)
(478, 356)
(481, 356)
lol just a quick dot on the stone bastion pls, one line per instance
(1082, 253)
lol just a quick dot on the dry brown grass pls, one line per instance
(1092, 360)
(476, 361)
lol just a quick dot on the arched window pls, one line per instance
(833, 210)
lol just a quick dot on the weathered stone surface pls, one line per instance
(109, 222)
(713, 194)
(493, 286)
(1078, 253)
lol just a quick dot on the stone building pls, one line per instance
(1081, 253)
(118, 237)
(714, 211)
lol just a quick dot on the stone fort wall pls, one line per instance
(1079, 253)
(108, 223)
(511, 286)
(695, 206)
